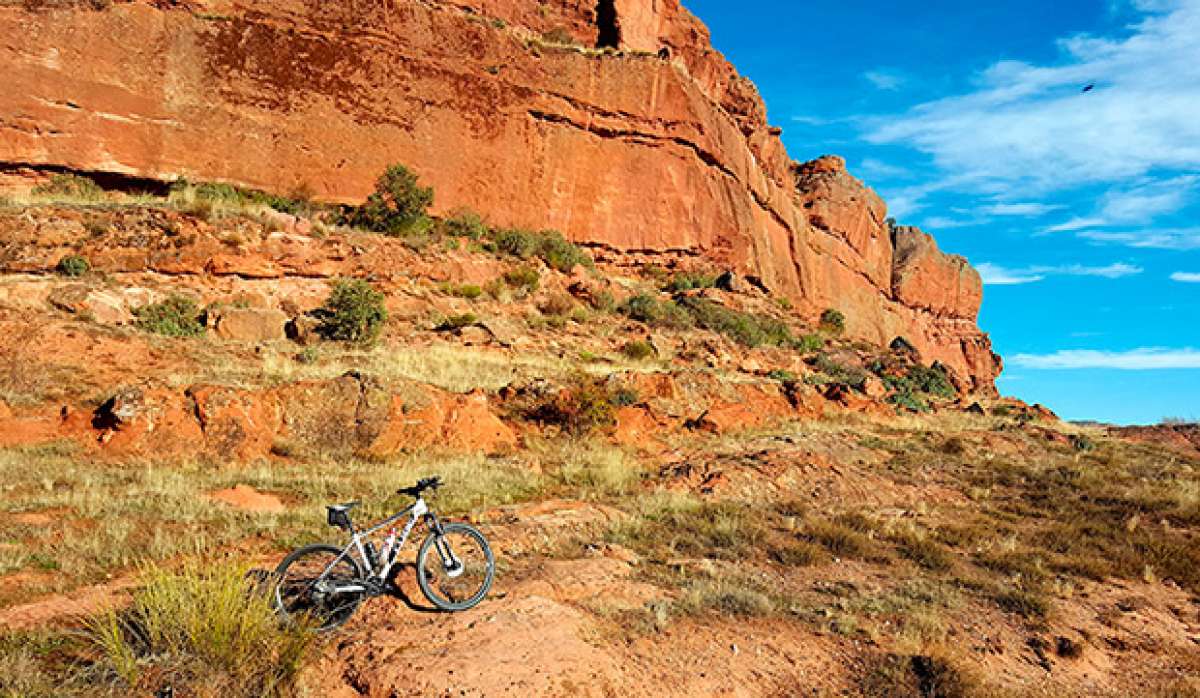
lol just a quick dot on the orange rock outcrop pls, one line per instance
(624, 128)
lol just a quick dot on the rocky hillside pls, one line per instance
(615, 122)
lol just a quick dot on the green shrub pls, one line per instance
(687, 281)
(73, 265)
(72, 186)
(831, 372)
(648, 309)
(833, 322)
(587, 405)
(353, 312)
(744, 328)
(465, 224)
(809, 343)
(638, 350)
(781, 375)
(205, 197)
(548, 245)
(457, 322)
(202, 626)
(468, 291)
(397, 206)
(523, 278)
(177, 316)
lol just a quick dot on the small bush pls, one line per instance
(648, 309)
(744, 328)
(397, 206)
(1026, 603)
(177, 316)
(524, 279)
(831, 372)
(206, 627)
(73, 265)
(586, 406)
(833, 322)
(810, 343)
(468, 291)
(557, 304)
(354, 312)
(465, 224)
(837, 538)
(457, 322)
(691, 280)
(71, 186)
(548, 245)
(638, 350)
(728, 597)
(781, 375)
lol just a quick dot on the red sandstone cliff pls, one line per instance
(629, 150)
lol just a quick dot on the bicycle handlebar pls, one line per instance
(429, 483)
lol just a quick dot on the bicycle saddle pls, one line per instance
(344, 507)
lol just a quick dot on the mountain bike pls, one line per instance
(327, 584)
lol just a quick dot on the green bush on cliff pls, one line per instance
(354, 312)
(73, 265)
(397, 206)
(744, 328)
(833, 322)
(548, 245)
(177, 316)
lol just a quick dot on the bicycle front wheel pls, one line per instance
(320, 584)
(455, 569)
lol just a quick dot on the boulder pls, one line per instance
(248, 324)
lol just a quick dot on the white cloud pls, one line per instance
(884, 79)
(1147, 201)
(1142, 359)
(1077, 223)
(1029, 127)
(1186, 277)
(1153, 238)
(1020, 209)
(996, 275)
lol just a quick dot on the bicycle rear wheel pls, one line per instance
(455, 569)
(307, 586)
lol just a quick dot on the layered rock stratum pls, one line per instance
(615, 122)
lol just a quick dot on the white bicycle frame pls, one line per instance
(388, 554)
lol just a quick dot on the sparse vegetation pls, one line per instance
(73, 265)
(548, 245)
(177, 316)
(638, 350)
(202, 626)
(457, 322)
(353, 312)
(830, 371)
(70, 186)
(688, 281)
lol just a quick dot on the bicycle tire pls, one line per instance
(326, 614)
(430, 587)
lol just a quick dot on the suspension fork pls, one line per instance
(449, 561)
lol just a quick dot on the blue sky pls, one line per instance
(1081, 210)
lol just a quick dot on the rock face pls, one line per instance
(654, 146)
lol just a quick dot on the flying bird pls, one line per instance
(1090, 86)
